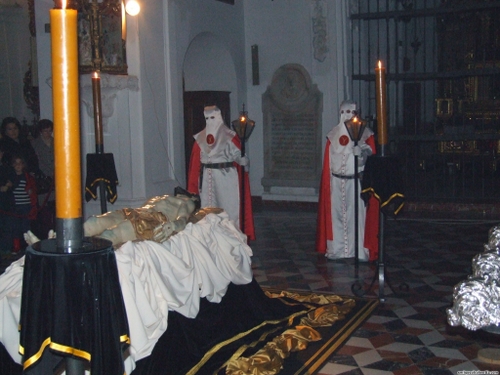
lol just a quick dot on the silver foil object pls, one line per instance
(476, 300)
(494, 238)
(487, 265)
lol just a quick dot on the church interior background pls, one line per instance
(443, 77)
(442, 82)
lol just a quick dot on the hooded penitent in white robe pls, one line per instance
(336, 213)
(215, 172)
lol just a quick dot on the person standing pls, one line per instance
(44, 149)
(215, 173)
(15, 144)
(43, 146)
(335, 235)
(25, 200)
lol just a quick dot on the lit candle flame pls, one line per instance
(96, 75)
(242, 119)
(381, 103)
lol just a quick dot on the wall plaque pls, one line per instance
(292, 108)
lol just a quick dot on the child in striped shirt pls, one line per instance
(25, 198)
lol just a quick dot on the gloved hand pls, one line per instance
(244, 161)
(356, 150)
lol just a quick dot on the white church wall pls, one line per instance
(208, 65)
(283, 32)
(14, 60)
(122, 116)
(191, 24)
(146, 131)
(42, 8)
(157, 134)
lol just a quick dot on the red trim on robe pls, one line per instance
(194, 170)
(193, 186)
(324, 226)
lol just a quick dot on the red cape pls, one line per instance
(324, 228)
(193, 186)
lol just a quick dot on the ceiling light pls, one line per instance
(132, 8)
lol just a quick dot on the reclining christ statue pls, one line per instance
(169, 256)
(157, 220)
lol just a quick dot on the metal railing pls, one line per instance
(442, 59)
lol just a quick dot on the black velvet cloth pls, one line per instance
(187, 340)
(7, 365)
(101, 167)
(72, 305)
(383, 178)
(245, 318)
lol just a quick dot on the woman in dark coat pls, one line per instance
(15, 144)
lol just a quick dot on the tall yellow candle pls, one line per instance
(381, 101)
(64, 38)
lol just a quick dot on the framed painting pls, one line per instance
(101, 36)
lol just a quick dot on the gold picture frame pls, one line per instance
(101, 36)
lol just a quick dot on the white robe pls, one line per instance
(342, 192)
(220, 187)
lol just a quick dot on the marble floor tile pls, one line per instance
(408, 333)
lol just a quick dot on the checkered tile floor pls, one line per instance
(408, 333)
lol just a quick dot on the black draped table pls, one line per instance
(382, 178)
(101, 170)
(72, 306)
(382, 186)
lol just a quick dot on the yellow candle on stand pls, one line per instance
(64, 38)
(381, 101)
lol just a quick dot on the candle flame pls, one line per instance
(380, 64)
(96, 75)
(242, 118)
(355, 119)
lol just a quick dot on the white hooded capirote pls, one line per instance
(213, 119)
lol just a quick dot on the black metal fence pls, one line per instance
(442, 59)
